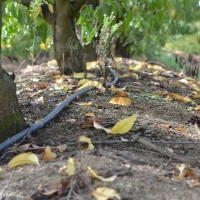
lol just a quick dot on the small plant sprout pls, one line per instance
(104, 47)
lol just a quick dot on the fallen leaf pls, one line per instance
(67, 87)
(93, 174)
(121, 101)
(89, 114)
(103, 193)
(87, 140)
(85, 104)
(180, 98)
(81, 75)
(22, 159)
(70, 167)
(40, 99)
(124, 125)
(98, 126)
(196, 127)
(83, 81)
(196, 96)
(62, 148)
(48, 154)
(95, 84)
(197, 108)
(181, 128)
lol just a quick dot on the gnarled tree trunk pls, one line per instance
(11, 118)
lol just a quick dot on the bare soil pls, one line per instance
(163, 137)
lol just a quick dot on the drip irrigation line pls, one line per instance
(18, 137)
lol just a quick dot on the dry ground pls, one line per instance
(143, 171)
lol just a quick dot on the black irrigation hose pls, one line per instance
(18, 137)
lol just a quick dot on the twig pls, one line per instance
(124, 157)
(19, 66)
(161, 150)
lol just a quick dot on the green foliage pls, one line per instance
(22, 25)
(147, 25)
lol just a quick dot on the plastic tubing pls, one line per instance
(18, 137)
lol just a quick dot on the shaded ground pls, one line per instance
(143, 173)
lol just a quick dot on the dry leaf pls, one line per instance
(103, 193)
(197, 108)
(48, 154)
(70, 167)
(85, 104)
(89, 114)
(196, 96)
(95, 84)
(196, 127)
(62, 148)
(81, 75)
(87, 140)
(93, 174)
(180, 98)
(22, 159)
(121, 101)
(124, 125)
(83, 81)
(98, 126)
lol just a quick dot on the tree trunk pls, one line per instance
(11, 118)
(68, 50)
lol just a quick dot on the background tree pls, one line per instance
(11, 118)
(147, 25)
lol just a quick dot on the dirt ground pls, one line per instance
(146, 160)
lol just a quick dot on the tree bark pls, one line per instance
(70, 58)
(11, 118)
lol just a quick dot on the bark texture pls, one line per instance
(11, 118)
(69, 58)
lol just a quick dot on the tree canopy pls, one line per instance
(146, 24)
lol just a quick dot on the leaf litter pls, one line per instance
(172, 123)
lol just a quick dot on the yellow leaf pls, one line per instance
(121, 101)
(87, 140)
(68, 87)
(136, 68)
(89, 114)
(180, 98)
(103, 193)
(93, 174)
(22, 159)
(124, 125)
(1, 169)
(83, 81)
(197, 108)
(91, 65)
(48, 154)
(195, 88)
(85, 104)
(196, 127)
(37, 10)
(196, 96)
(98, 126)
(95, 84)
(50, 6)
(81, 75)
(70, 167)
